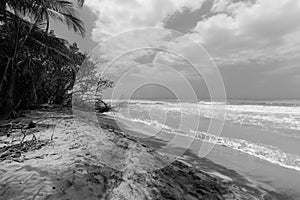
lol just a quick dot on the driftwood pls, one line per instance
(23, 127)
(15, 151)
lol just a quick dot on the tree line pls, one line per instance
(36, 66)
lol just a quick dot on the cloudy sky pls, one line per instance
(255, 45)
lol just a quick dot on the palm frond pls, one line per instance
(76, 24)
(80, 3)
(37, 38)
(61, 11)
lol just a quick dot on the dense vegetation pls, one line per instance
(36, 66)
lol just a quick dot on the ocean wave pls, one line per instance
(268, 153)
(153, 123)
(211, 103)
(265, 152)
(276, 118)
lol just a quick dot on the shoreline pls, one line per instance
(97, 160)
(205, 165)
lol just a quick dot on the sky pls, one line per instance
(253, 45)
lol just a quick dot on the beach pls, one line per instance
(98, 160)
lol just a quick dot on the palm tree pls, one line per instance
(24, 28)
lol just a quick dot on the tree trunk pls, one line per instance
(11, 93)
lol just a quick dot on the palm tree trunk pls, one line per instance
(12, 101)
(11, 93)
(12, 86)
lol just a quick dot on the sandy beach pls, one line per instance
(96, 160)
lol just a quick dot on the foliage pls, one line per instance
(57, 77)
(87, 91)
(36, 66)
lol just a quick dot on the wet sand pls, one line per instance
(216, 162)
(279, 178)
(238, 165)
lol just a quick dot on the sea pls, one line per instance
(257, 139)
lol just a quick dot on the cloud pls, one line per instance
(130, 49)
(263, 31)
(237, 31)
(117, 16)
(248, 39)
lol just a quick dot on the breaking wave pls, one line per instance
(268, 153)
(284, 119)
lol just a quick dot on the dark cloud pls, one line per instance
(184, 21)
